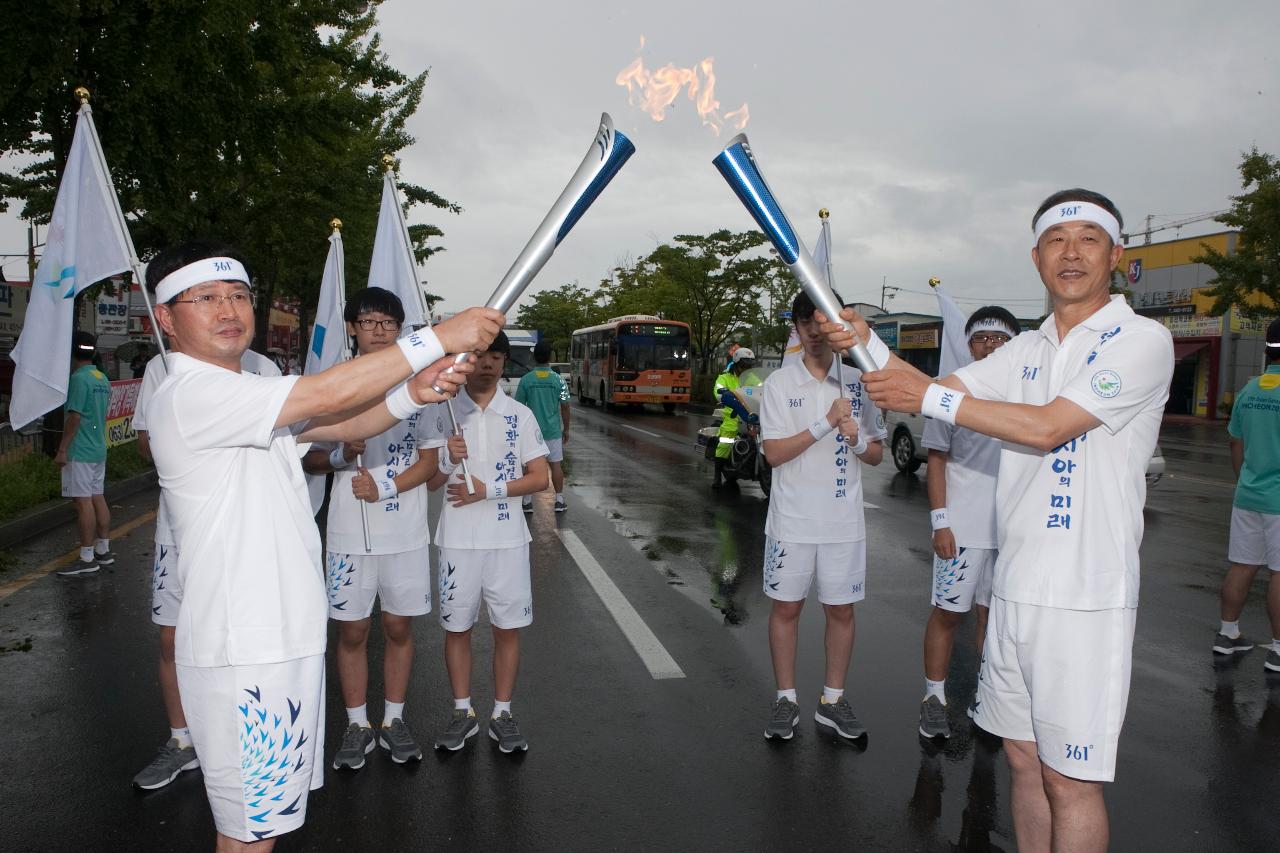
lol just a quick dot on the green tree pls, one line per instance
(250, 122)
(1250, 278)
(556, 313)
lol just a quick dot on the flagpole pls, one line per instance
(823, 215)
(341, 293)
(82, 95)
(389, 164)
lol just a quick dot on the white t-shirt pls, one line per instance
(501, 440)
(251, 572)
(1070, 520)
(396, 525)
(250, 362)
(816, 497)
(973, 460)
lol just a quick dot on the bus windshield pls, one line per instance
(519, 362)
(653, 348)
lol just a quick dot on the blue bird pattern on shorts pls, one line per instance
(271, 753)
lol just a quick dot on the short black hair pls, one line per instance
(373, 299)
(542, 352)
(1078, 194)
(177, 257)
(500, 344)
(993, 312)
(1273, 341)
(802, 307)
(83, 346)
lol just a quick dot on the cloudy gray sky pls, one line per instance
(930, 129)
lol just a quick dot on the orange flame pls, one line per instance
(656, 91)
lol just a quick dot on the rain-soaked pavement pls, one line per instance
(623, 761)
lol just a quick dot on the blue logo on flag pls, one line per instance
(317, 341)
(68, 273)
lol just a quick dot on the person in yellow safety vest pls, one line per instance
(743, 359)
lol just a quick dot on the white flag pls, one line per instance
(86, 243)
(393, 266)
(329, 340)
(821, 253)
(955, 348)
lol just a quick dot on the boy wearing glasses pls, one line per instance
(251, 630)
(384, 473)
(961, 481)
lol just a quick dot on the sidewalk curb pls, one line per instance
(46, 517)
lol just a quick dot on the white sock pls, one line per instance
(936, 688)
(182, 736)
(831, 695)
(86, 554)
(559, 496)
(392, 711)
(462, 704)
(358, 715)
(499, 707)
(1275, 645)
(103, 546)
(790, 694)
(1230, 630)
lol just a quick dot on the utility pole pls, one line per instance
(885, 286)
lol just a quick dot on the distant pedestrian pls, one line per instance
(82, 455)
(139, 362)
(546, 394)
(1255, 514)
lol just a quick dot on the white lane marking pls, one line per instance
(655, 657)
(637, 429)
(870, 505)
(1202, 482)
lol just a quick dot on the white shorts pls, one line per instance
(841, 569)
(83, 479)
(402, 582)
(500, 575)
(1255, 539)
(259, 732)
(166, 588)
(555, 449)
(960, 582)
(1059, 678)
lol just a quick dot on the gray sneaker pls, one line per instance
(462, 725)
(106, 558)
(561, 506)
(1224, 645)
(933, 718)
(80, 568)
(527, 504)
(839, 716)
(1273, 660)
(397, 740)
(165, 767)
(504, 729)
(782, 720)
(357, 742)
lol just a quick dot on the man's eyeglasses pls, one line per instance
(213, 301)
(369, 324)
(995, 339)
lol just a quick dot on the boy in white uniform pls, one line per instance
(816, 434)
(178, 753)
(484, 543)
(961, 481)
(251, 627)
(1078, 405)
(396, 567)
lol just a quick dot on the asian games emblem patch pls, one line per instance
(1105, 383)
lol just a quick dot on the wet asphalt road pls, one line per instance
(620, 760)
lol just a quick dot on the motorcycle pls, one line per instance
(746, 460)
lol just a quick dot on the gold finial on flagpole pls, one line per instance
(335, 224)
(82, 94)
(935, 281)
(389, 162)
(824, 213)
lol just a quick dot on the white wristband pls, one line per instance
(861, 447)
(878, 350)
(386, 489)
(421, 348)
(400, 402)
(447, 466)
(338, 459)
(820, 428)
(941, 403)
(497, 492)
(938, 518)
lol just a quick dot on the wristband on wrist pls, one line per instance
(420, 348)
(878, 350)
(820, 428)
(938, 518)
(446, 465)
(497, 492)
(387, 489)
(338, 459)
(941, 403)
(400, 402)
(861, 447)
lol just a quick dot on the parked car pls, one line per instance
(908, 452)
